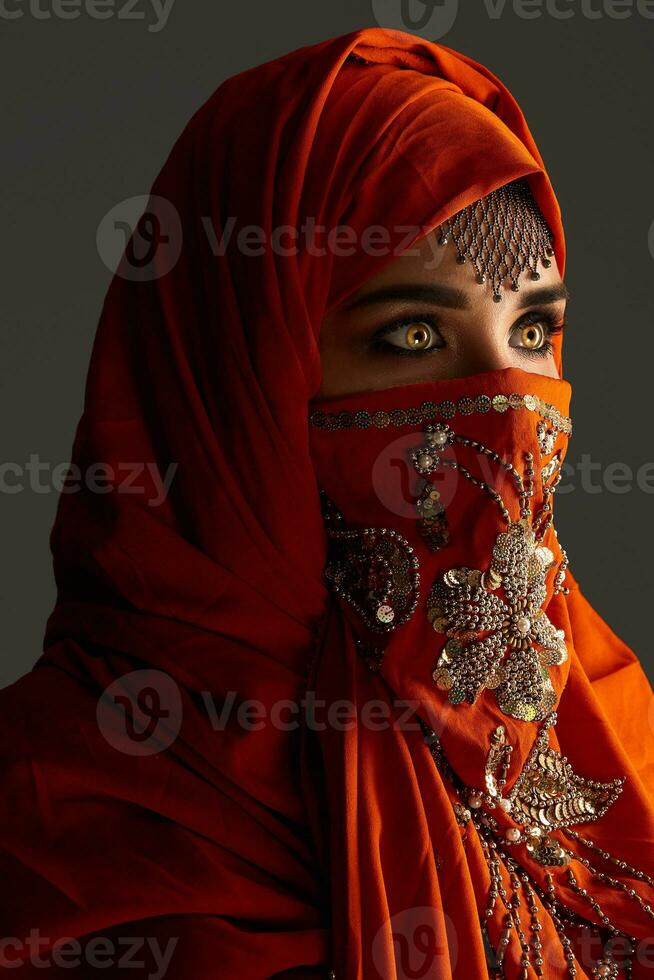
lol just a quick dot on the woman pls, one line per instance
(306, 712)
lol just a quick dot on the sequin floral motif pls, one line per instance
(503, 643)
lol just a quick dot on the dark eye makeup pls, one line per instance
(552, 322)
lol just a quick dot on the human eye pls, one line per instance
(533, 333)
(410, 336)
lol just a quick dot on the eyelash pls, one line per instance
(550, 320)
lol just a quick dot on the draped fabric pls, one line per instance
(163, 798)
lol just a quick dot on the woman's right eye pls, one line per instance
(410, 337)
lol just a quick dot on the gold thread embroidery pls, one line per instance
(374, 569)
(546, 438)
(462, 604)
(432, 519)
(510, 881)
(429, 410)
(548, 794)
(549, 469)
(500, 643)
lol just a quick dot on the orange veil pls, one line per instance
(163, 799)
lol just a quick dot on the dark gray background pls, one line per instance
(92, 108)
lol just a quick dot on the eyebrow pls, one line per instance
(450, 297)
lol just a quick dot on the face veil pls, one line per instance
(459, 478)
(445, 562)
(282, 849)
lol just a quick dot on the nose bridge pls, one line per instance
(484, 348)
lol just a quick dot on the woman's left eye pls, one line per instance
(534, 337)
(409, 337)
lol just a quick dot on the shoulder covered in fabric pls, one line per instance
(96, 843)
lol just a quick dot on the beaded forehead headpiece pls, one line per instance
(502, 234)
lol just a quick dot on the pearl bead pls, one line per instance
(475, 801)
(512, 834)
(523, 624)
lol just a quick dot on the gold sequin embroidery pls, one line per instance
(519, 641)
(547, 795)
(428, 411)
(547, 779)
(501, 641)
(374, 569)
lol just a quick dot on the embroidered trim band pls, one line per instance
(429, 410)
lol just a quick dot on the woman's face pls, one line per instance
(425, 317)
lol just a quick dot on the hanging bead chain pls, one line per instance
(536, 926)
(502, 234)
(623, 865)
(543, 519)
(528, 486)
(560, 575)
(614, 882)
(493, 494)
(498, 859)
(427, 459)
(594, 904)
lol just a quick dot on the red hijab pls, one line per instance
(138, 801)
